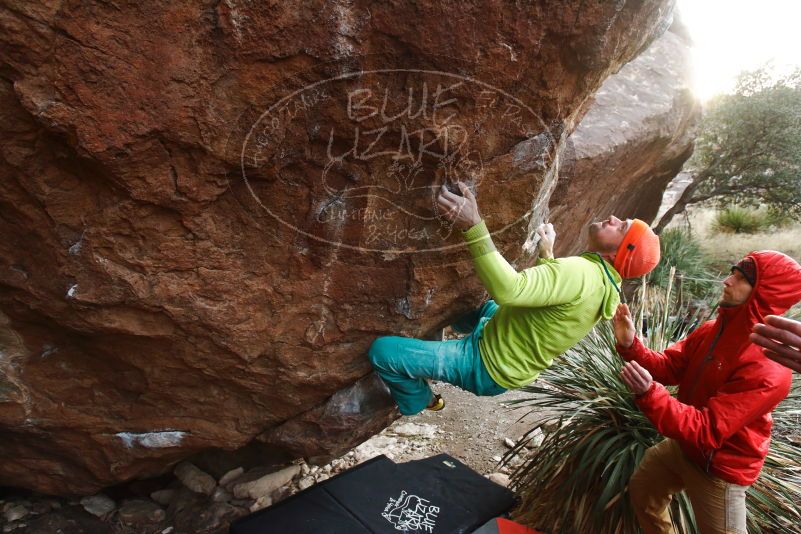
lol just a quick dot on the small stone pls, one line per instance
(509, 443)
(262, 502)
(305, 483)
(220, 516)
(141, 512)
(167, 530)
(15, 513)
(499, 478)
(327, 468)
(267, 484)
(496, 459)
(221, 495)
(98, 505)
(231, 475)
(373, 447)
(286, 491)
(536, 438)
(322, 476)
(195, 479)
(163, 496)
(550, 427)
(304, 469)
(505, 470)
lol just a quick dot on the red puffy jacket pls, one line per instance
(727, 386)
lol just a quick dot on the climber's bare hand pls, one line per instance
(460, 210)
(547, 239)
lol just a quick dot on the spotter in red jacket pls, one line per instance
(727, 386)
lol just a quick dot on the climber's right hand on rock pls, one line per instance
(623, 326)
(547, 239)
(460, 210)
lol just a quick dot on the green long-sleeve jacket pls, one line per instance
(544, 310)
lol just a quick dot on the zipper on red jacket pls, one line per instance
(707, 358)
(709, 460)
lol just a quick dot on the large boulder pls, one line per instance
(632, 142)
(210, 209)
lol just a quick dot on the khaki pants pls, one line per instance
(719, 506)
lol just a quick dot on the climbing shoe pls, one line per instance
(437, 404)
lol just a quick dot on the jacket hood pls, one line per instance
(777, 289)
(778, 284)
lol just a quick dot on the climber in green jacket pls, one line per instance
(536, 314)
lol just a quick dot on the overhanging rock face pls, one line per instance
(632, 142)
(210, 209)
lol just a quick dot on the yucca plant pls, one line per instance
(594, 436)
(682, 251)
(739, 220)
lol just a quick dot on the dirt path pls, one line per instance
(470, 428)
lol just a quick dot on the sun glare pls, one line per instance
(730, 36)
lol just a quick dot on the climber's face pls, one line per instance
(605, 236)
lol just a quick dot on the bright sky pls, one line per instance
(735, 35)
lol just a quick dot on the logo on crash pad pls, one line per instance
(411, 513)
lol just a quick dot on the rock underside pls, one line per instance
(210, 209)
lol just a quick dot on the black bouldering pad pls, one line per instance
(436, 495)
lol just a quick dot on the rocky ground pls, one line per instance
(475, 430)
(471, 429)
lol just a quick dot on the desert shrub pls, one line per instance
(738, 220)
(682, 251)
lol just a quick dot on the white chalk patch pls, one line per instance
(237, 20)
(152, 440)
(343, 18)
(512, 55)
(72, 290)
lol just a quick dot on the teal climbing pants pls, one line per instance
(405, 363)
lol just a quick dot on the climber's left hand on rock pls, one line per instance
(460, 210)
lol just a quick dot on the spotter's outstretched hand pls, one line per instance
(636, 378)
(623, 326)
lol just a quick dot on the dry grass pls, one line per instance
(724, 249)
